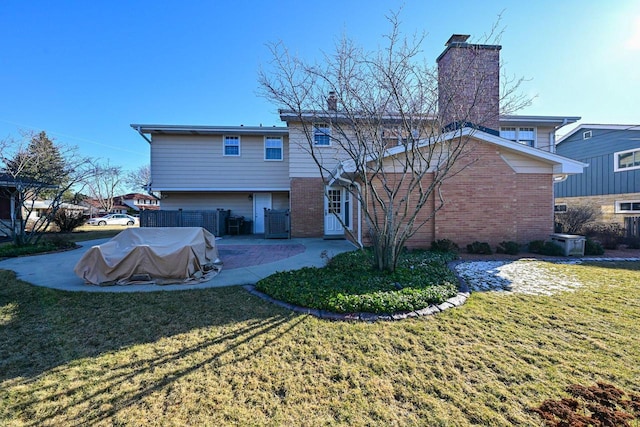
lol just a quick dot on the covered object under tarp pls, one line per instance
(152, 255)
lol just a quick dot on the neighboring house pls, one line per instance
(95, 208)
(137, 202)
(611, 183)
(40, 208)
(507, 194)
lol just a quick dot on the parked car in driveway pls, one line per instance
(114, 219)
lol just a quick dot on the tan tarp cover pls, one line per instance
(152, 255)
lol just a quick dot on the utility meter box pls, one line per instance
(572, 245)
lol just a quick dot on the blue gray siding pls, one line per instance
(599, 178)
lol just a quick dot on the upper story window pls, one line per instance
(626, 160)
(587, 134)
(522, 135)
(231, 145)
(322, 134)
(628, 207)
(273, 148)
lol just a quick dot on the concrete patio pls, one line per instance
(246, 259)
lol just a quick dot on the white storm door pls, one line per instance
(333, 208)
(260, 202)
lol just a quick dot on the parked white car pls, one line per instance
(114, 219)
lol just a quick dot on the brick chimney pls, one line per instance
(469, 83)
(332, 101)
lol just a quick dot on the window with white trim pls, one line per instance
(587, 134)
(561, 208)
(231, 145)
(273, 148)
(322, 134)
(631, 206)
(626, 160)
(521, 135)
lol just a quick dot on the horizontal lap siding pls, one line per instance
(239, 203)
(197, 162)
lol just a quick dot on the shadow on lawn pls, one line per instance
(41, 328)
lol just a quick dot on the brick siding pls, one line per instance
(307, 207)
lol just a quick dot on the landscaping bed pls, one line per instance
(349, 283)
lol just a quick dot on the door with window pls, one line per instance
(261, 201)
(334, 208)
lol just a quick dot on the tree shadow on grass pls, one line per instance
(42, 328)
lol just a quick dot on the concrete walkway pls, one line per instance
(56, 270)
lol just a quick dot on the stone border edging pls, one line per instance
(456, 301)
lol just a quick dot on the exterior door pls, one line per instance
(333, 208)
(260, 202)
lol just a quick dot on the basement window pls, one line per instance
(561, 208)
(632, 206)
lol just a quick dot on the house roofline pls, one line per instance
(152, 129)
(220, 189)
(597, 126)
(562, 165)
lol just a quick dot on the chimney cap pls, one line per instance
(457, 38)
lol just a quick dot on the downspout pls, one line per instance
(336, 176)
(359, 238)
(139, 130)
(552, 136)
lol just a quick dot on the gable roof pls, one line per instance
(561, 165)
(586, 126)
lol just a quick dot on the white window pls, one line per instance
(273, 148)
(626, 160)
(632, 206)
(561, 208)
(522, 135)
(321, 134)
(586, 134)
(231, 145)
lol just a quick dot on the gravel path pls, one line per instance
(532, 277)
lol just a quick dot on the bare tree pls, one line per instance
(139, 179)
(385, 119)
(35, 169)
(106, 182)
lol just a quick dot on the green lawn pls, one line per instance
(223, 357)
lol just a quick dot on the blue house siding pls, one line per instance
(598, 151)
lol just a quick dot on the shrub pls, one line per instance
(482, 248)
(633, 243)
(67, 221)
(591, 247)
(552, 249)
(444, 245)
(575, 218)
(348, 283)
(508, 247)
(610, 235)
(536, 246)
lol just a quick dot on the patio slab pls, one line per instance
(263, 258)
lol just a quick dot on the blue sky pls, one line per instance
(84, 70)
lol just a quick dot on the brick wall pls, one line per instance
(488, 202)
(425, 233)
(307, 207)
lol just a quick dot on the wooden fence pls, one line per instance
(214, 221)
(277, 224)
(632, 226)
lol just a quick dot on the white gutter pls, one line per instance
(336, 176)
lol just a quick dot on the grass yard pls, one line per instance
(223, 357)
